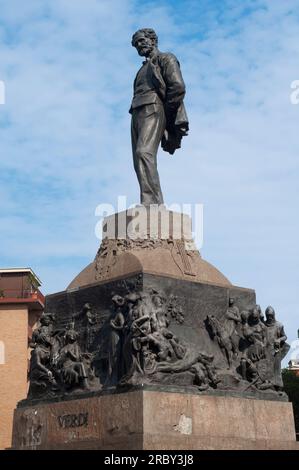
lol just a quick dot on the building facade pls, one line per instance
(294, 366)
(21, 304)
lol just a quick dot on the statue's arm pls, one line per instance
(233, 316)
(74, 356)
(118, 322)
(175, 86)
(282, 336)
(39, 364)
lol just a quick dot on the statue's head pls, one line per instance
(259, 308)
(231, 301)
(255, 315)
(144, 296)
(43, 339)
(71, 336)
(158, 300)
(46, 319)
(118, 300)
(132, 297)
(145, 40)
(244, 316)
(270, 314)
(86, 307)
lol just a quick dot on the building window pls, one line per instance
(2, 353)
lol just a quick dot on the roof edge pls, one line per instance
(21, 270)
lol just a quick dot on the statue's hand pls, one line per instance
(50, 375)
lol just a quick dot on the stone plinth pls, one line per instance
(142, 222)
(155, 241)
(155, 420)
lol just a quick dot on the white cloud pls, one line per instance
(65, 144)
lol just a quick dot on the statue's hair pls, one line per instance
(148, 32)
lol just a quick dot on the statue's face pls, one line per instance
(42, 339)
(71, 336)
(244, 316)
(144, 45)
(255, 314)
(158, 301)
(270, 314)
(45, 320)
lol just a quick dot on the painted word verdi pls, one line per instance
(73, 420)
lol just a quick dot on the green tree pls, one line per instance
(291, 385)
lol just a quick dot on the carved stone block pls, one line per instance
(155, 420)
(156, 317)
(146, 329)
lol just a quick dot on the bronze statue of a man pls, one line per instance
(158, 112)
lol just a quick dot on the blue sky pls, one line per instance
(68, 68)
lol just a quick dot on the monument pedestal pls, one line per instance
(151, 347)
(155, 420)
